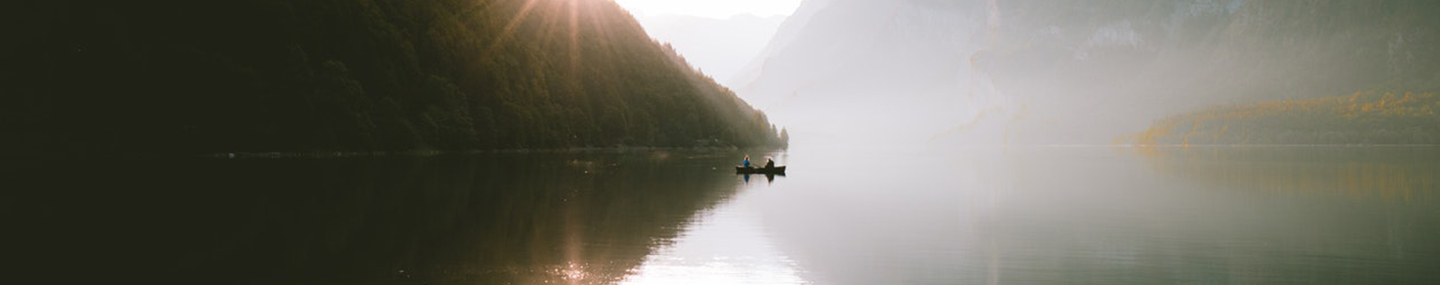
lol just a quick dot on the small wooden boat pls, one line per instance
(760, 170)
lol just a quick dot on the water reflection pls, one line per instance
(1387, 173)
(769, 177)
(480, 219)
(729, 245)
(1092, 215)
(995, 216)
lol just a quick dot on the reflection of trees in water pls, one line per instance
(1399, 173)
(1081, 216)
(1343, 214)
(522, 218)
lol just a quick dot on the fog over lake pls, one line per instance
(721, 142)
(840, 216)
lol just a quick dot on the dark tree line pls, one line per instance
(273, 75)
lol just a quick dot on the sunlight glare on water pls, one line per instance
(839, 216)
(1062, 215)
(727, 246)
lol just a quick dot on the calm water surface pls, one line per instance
(989, 216)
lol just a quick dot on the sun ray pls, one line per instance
(574, 37)
(550, 25)
(601, 30)
(509, 29)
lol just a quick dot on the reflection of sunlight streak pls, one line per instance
(740, 270)
(574, 272)
(728, 246)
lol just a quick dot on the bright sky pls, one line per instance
(719, 9)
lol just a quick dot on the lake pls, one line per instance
(1093, 215)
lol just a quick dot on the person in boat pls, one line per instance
(746, 162)
(769, 162)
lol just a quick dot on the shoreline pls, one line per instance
(344, 154)
(349, 154)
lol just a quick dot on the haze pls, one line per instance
(718, 9)
(722, 142)
(1036, 72)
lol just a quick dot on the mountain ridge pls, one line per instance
(183, 77)
(1040, 72)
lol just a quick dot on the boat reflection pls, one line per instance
(769, 177)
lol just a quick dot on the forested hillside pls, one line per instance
(274, 75)
(1368, 117)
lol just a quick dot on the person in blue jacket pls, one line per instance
(747, 160)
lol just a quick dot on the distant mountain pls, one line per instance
(331, 75)
(869, 71)
(1046, 72)
(719, 47)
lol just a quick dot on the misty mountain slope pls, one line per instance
(784, 34)
(188, 77)
(721, 45)
(867, 67)
(1086, 71)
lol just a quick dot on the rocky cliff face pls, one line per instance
(1080, 71)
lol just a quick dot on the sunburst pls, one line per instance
(510, 26)
(574, 43)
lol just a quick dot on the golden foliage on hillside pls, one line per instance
(1365, 117)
